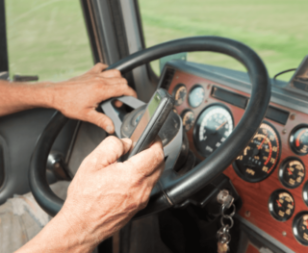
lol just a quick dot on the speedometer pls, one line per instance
(213, 126)
(260, 157)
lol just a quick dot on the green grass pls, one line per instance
(47, 38)
(276, 29)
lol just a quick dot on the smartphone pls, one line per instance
(151, 121)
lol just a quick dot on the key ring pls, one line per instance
(231, 215)
(226, 217)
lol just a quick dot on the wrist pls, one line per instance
(59, 235)
(44, 93)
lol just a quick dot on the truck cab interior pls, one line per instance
(236, 143)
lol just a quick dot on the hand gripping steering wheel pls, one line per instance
(171, 189)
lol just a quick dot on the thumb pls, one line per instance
(110, 150)
(99, 119)
(98, 68)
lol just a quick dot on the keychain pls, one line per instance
(223, 235)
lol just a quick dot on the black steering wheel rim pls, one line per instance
(171, 189)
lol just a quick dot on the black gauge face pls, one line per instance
(196, 96)
(188, 119)
(213, 127)
(305, 193)
(300, 227)
(179, 94)
(260, 157)
(281, 205)
(292, 172)
(299, 140)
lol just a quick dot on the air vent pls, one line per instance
(167, 78)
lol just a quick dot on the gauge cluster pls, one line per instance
(270, 173)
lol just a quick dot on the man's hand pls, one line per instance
(103, 196)
(79, 97)
(76, 98)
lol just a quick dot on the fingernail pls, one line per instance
(109, 129)
(127, 141)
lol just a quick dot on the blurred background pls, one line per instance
(48, 38)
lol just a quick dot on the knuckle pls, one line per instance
(101, 122)
(114, 141)
(116, 72)
(158, 154)
(100, 65)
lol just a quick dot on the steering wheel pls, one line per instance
(171, 189)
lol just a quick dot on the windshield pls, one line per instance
(276, 29)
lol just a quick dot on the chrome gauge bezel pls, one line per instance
(196, 131)
(292, 139)
(271, 201)
(256, 180)
(282, 168)
(305, 193)
(295, 224)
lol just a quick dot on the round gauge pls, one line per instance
(212, 128)
(188, 119)
(300, 227)
(292, 172)
(260, 157)
(179, 94)
(196, 96)
(305, 193)
(281, 205)
(299, 140)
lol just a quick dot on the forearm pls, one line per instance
(60, 236)
(22, 96)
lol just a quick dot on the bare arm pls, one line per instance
(103, 196)
(76, 98)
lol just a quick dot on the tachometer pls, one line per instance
(212, 128)
(260, 157)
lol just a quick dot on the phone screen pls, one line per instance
(146, 117)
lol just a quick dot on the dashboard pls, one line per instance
(270, 174)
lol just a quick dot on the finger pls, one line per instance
(118, 88)
(118, 103)
(147, 161)
(99, 119)
(98, 68)
(110, 150)
(153, 178)
(111, 73)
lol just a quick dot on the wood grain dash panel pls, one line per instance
(255, 196)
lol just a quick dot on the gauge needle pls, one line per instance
(278, 203)
(290, 172)
(261, 144)
(221, 125)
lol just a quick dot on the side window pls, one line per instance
(47, 39)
